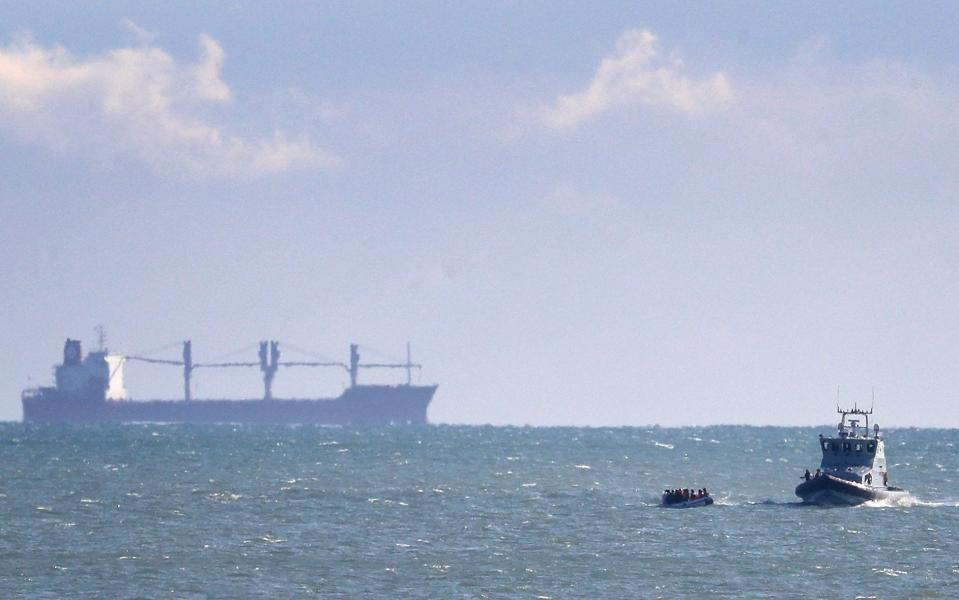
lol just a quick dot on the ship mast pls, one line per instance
(409, 366)
(101, 337)
(355, 365)
(269, 363)
(187, 368)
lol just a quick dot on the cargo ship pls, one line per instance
(89, 389)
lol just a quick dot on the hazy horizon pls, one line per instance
(612, 214)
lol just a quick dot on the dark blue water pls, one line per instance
(459, 512)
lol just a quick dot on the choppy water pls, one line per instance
(459, 512)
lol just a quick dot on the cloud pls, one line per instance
(139, 102)
(880, 117)
(139, 33)
(887, 128)
(206, 74)
(636, 74)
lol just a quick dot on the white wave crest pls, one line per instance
(908, 501)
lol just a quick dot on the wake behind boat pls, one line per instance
(686, 498)
(853, 468)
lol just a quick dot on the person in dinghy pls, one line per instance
(686, 498)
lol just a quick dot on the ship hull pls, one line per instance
(827, 490)
(358, 405)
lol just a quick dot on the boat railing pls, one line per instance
(849, 425)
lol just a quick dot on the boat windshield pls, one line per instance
(848, 445)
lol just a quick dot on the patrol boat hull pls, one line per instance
(828, 490)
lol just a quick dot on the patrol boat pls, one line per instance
(853, 468)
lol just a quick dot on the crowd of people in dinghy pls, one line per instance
(685, 494)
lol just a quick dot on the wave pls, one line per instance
(771, 502)
(908, 501)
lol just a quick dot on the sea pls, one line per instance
(233, 511)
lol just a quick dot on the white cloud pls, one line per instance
(140, 34)
(636, 73)
(881, 118)
(138, 102)
(209, 86)
(885, 127)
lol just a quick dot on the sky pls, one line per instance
(602, 214)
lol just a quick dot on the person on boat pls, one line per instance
(806, 475)
(705, 493)
(818, 473)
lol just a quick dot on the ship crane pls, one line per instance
(269, 362)
(355, 365)
(189, 366)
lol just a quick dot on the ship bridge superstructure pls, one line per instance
(853, 454)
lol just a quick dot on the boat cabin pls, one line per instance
(853, 454)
